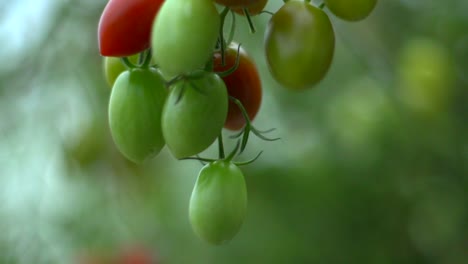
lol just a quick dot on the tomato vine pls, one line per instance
(182, 96)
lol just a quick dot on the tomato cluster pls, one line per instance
(177, 82)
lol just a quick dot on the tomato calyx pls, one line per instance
(227, 159)
(245, 132)
(144, 60)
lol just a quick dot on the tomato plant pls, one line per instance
(184, 35)
(213, 83)
(135, 108)
(218, 204)
(351, 10)
(243, 84)
(125, 26)
(299, 45)
(194, 114)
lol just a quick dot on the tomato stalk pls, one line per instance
(267, 12)
(249, 20)
(147, 58)
(233, 68)
(127, 63)
(245, 132)
(322, 5)
(221, 33)
(221, 146)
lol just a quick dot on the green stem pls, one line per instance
(221, 146)
(249, 161)
(233, 152)
(127, 63)
(322, 5)
(221, 34)
(249, 19)
(147, 59)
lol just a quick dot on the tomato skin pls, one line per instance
(184, 35)
(135, 107)
(351, 10)
(191, 123)
(125, 26)
(254, 7)
(299, 45)
(218, 204)
(243, 84)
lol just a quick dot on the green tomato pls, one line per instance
(299, 45)
(426, 76)
(135, 108)
(351, 10)
(218, 204)
(184, 35)
(194, 114)
(113, 67)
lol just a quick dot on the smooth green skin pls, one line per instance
(426, 76)
(135, 108)
(184, 35)
(194, 122)
(113, 67)
(218, 204)
(351, 10)
(299, 45)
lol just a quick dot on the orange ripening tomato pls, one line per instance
(243, 84)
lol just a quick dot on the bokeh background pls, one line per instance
(372, 165)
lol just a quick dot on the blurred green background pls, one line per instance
(372, 165)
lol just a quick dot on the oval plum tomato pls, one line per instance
(218, 204)
(113, 67)
(184, 35)
(299, 45)
(255, 7)
(194, 114)
(243, 84)
(125, 26)
(351, 10)
(135, 107)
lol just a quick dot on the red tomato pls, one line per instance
(125, 26)
(243, 84)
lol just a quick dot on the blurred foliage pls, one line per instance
(372, 166)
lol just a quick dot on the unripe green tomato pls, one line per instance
(426, 76)
(351, 10)
(194, 114)
(299, 45)
(113, 67)
(218, 204)
(135, 108)
(184, 35)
